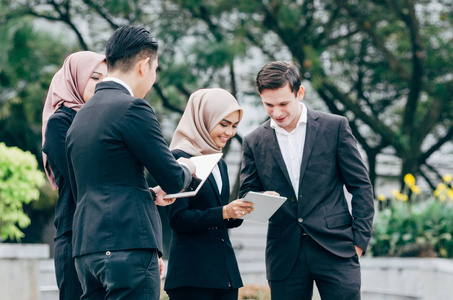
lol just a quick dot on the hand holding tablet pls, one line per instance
(265, 206)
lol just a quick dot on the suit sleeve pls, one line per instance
(71, 175)
(357, 182)
(184, 219)
(142, 134)
(249, 177)
(55, 143)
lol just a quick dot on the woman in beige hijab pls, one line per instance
(202, 264)
(70, 88)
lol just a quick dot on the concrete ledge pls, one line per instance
(24, 251)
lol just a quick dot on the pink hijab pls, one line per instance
(67, 88)
(204, 110)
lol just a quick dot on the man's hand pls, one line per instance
(189, 164)
(160, 194)
(359, 251)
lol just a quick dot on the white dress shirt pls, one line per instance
(119, 81)
(292, 147)
(217, 177)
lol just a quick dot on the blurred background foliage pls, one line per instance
(385, 65)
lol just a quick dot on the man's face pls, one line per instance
(282, 105)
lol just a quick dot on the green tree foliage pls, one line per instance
(19, 183)
(382, 64)
(29, 57)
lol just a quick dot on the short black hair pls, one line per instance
(277, 74)
(127, 45)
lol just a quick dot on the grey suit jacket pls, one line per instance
(330, 161)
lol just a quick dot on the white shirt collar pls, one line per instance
(119, 81)
(302, 119)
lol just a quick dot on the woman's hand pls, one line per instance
(237, 209)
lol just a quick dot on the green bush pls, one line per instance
(19, 182)
(416, 230)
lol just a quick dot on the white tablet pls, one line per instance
(204, 164)
(265, 206)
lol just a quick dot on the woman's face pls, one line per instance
(225, 129)
(98, 74)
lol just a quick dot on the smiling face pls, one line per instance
(282, 105)
(98, 74)
(225, 129)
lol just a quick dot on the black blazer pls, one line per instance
(201, 254)
(330, 161)
(112, 138)
(54, 147)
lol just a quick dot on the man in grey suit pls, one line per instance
(308, 156)
(117, 234)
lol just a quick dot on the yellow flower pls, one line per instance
(441, 187)
(442, 198)
(436, 193)
(381, 197)
(415, 189)
(401, 197)
(447, 178)
(409, 179)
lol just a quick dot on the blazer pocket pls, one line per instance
(343, 219)
(273, 231)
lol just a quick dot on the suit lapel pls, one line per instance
(310, 137)
(272, 143)
(225, 197)
(213, 183)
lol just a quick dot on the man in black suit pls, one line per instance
(117, 230)
(308, 156)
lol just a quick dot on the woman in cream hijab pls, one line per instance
(202, 264)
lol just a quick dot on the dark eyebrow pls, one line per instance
(229, 122)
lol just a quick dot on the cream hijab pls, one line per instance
(67, 88)
(204, 110)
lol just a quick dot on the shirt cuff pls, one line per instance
(187, 175)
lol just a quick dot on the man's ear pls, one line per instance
(300, 93)
(143, 66)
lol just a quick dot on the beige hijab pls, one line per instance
(67, 88)
(204, 110)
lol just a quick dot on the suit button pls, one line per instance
(222, 240)
(108, 253)
(300, 220)
(293, 199)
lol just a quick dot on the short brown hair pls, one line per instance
(277, 74)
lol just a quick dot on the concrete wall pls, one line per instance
(26, 272)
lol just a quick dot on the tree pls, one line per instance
(28, 59)
(382, 64)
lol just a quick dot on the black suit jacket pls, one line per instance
(112, 138)
(330, 161)
(54, 147)
(201, 254)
